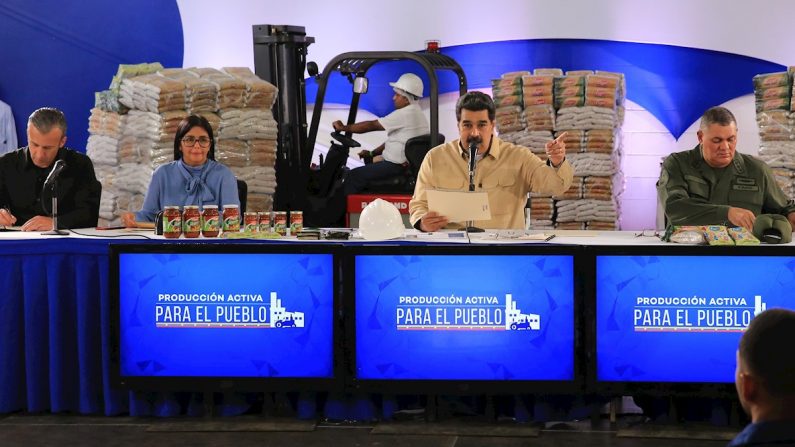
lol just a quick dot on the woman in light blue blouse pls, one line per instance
(193, 178)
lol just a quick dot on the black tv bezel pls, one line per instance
(658, 388)
(461, 386)
(215, 383)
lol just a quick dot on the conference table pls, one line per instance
(54, 311)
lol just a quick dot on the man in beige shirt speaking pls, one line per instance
(507, 172)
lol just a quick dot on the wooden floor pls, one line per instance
(65, 430)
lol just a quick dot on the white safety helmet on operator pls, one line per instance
(409, 83)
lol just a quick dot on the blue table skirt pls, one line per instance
(55, 339)
(55, 343)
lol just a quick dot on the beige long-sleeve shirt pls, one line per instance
(507, 173)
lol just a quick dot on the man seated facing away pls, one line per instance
(407, 121)
(507, 172)
(765, 380)
(711, 184)
(23, 172)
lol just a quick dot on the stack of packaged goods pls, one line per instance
(231, 90)
(247, 144)
(147, 142)
(528, 122)
(106, 126)
(773, 92)
(539, 111)
(259, 94)
(104, 129)
(254, 124)
(201, 95)
(128, 147)
(591, 112)
(507, 95)
(152, 93)
(589, 107)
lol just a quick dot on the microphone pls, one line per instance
(473, 151)
(59, 166)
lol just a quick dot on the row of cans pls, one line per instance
(208, 223)
(273, 221)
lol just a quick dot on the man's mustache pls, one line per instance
(477, 140)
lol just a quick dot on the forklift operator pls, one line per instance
(407, 121)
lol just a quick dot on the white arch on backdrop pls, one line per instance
(222, 34)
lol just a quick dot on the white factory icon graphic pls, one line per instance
(759, 306)
(281, 318)
(515, 320)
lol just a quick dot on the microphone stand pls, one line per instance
(470, 224)
(55, 231)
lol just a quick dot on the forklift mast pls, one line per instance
(356, 64)
(280, 58)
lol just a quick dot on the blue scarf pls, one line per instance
(195, 181)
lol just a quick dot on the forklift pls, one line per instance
(280, 53)
(324, 187)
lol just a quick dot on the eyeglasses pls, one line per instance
(191, 141)
(648, 233)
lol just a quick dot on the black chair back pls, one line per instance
(242, 194)
(416, 148)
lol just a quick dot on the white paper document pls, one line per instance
(459, 206)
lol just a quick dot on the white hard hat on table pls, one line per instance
(381, 220)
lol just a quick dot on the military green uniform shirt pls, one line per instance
(694, 193)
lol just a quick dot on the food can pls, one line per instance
(265, 221)
(280, 222)
(251, 222)
(296, 222)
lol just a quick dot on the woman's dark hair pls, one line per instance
(185, 126)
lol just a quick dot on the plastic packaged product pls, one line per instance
(717, 235)
(571, 90)
(601, 81)
(600, 102)
(548, 72)
(505, 83)
(574, 101)
(530, 101)
(514, 75)
(537, 81)
(771, 80)
(742, 236)
(773, 92)
(511, 90)
(688, 234)
(508, 101)
(569, 81)
(543, 90)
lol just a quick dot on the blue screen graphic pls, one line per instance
(440, 317)
(226, 315)
(680, 318)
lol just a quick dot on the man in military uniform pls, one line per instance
(711, 184)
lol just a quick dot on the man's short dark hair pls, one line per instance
(45, 118)
(185, 126)
(763, 351)
(475, 102)
(717, 115)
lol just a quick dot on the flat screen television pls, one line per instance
(669, 319)
(225, 316)
(460, 320)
